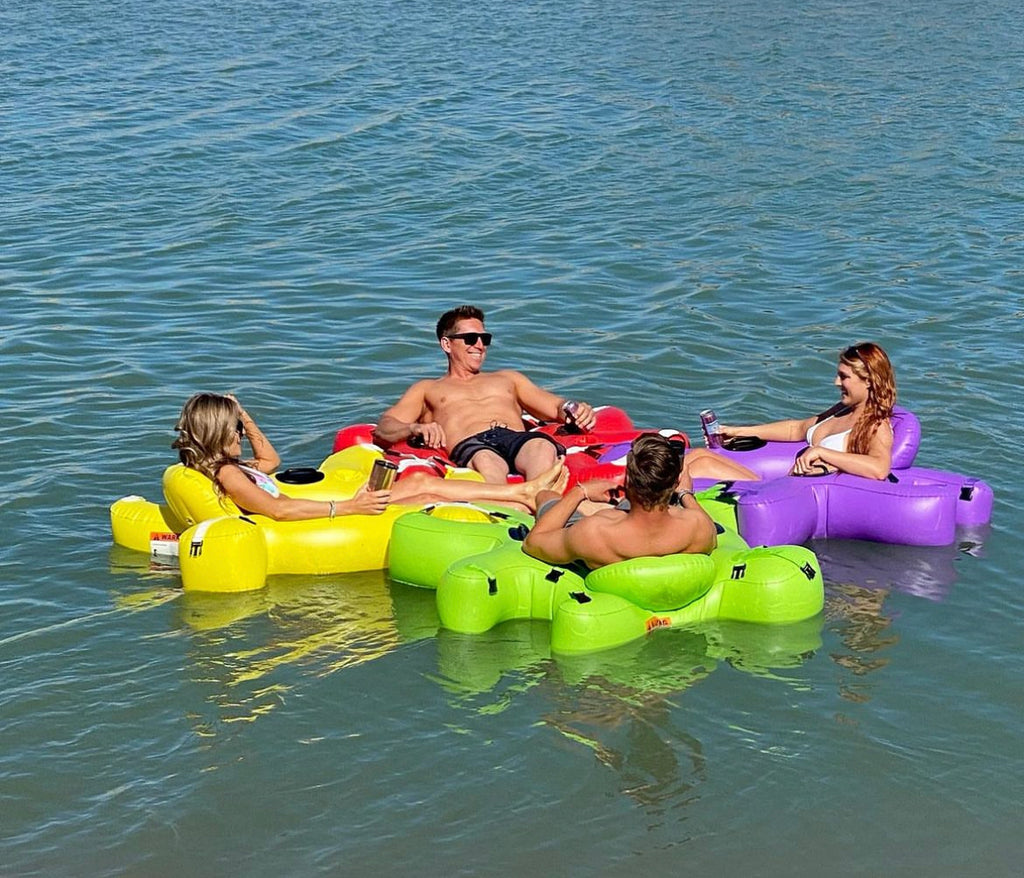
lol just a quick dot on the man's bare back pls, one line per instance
(616, 535)
(650, 527)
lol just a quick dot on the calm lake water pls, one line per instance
(662, 206)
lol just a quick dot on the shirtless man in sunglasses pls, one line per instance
(477, 416)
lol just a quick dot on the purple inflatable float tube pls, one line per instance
(914, 506)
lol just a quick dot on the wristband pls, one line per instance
(684, 493)
(583, 488)
(330, 513)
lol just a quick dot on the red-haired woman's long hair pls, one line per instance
(871, 364)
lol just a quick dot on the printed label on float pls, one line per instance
(163, 545)
(658, 622)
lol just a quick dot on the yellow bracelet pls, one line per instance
(330, 513)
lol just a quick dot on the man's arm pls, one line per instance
(551, 541)
(547, 406)
(403, 420)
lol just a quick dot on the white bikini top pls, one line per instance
(835, 442)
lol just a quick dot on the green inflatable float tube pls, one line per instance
(767, 585)
(425, 543)
(626, 601)
(472, 555)
(479, 592)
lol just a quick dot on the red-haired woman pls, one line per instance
(855, 435)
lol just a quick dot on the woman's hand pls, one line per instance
(367, 502)
(811, 462)
(685, 480)
(602, 490)
(241, 409)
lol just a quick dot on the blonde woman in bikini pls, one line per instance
(213, 426)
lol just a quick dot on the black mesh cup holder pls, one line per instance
(300, 475)
(744, 443)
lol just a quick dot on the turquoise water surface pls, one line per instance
(662, 206)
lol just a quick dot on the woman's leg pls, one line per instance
(420, 488)
(704, 464)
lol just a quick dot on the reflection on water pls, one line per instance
(855, 615)
(618, 703)
(298, 626)
(923, 571)
(859, 577)
(248, 650)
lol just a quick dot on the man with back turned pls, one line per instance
(661, 515)
(477, 415)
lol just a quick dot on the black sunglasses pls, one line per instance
(240, 428)
(470, 337)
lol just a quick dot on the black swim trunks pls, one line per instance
(622, 504)
(502, 441)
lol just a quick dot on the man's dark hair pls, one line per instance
(448, 320)
(652, 470)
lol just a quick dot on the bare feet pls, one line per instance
(552, 480)
(549, 479)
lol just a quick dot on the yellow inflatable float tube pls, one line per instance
(220, 549)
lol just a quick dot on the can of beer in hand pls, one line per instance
(382, 475)
(712, 430)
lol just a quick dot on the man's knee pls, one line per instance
(536, 454)
(489, 465)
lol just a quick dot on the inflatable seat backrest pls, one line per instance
(192, 496)
(906, 430)
(659, 584)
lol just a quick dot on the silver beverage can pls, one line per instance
(382, 475)
(712, 430)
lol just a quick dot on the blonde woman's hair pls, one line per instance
(871, 364)
(207, 425)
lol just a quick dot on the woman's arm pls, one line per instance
(876, 464)
(249, 497)
(791, 430)
(265, 459)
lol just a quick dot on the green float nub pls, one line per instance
(595, 621)
(480, 592)
(424, 544)
(769, 584)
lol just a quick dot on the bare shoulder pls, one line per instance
(232, 479)
(517, 378)
(696, 531)
(505, 377)
(595, 530)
